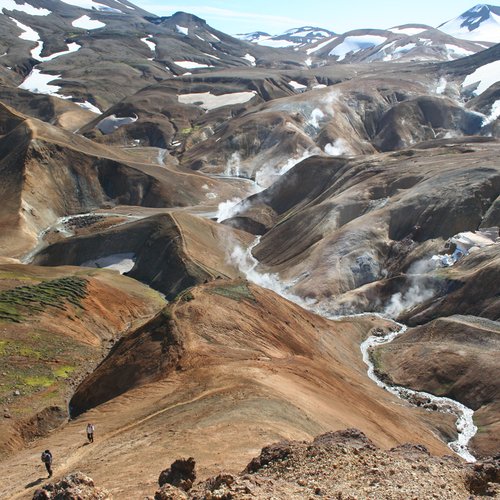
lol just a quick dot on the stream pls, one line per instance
(464, 423)
(466, 429)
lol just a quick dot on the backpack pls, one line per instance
(46, 458)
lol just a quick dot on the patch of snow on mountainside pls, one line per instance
(455, 52)
(355, 44)
(89, 107)
(111, 123)
(121, 262)
(250, 59)
(91, 5)
(86, 23)
(484, 76)
(191, 65)
(320, 45)
(31, 35)
(479, 23)
(38, 83)
(494, 113)
(297, 85)
(209, 101)
(276, 43)
(149, 43)
(182, 30)
(23, 7)
(253, 37)
(407, 31)
(72, 47)
(28, 33)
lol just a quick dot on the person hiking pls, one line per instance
(47, 460)
(90, 432)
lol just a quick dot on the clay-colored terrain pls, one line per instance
(56, 325)
(224, 370)
(218, 178)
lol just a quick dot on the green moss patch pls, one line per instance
(38, 381)
(63, 371)
(25, 300)
(238, 292)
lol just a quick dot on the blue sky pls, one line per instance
(276, 16)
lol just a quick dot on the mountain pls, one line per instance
(481, 23)
(294, 38)
(402, 43)
(208, 245)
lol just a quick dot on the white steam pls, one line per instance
(420, 290)
(338, 148)
(233, 166)
(270, 172)
(316, 116)
(247, 264)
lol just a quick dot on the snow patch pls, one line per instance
(191, 65)
(90, 107)
(494, 113)
(182, 30)
(487, 31)
(121, 262)
(250, 59)
(111, 123)
(464, 243)
(24, 7)
(277, 43)
(91, 5)
(38, 83)
(72, 47)
(455, 52)
(297, 85)
(355, 44)
(320, 45)
(484, 76)
(407, 31)
(86, 23)
(149, 43)
(28, 33)
(209, 101)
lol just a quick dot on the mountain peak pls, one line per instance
(481, 22)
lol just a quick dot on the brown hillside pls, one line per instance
(226, 369)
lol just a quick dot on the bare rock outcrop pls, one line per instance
(180, 474)
(76, 486)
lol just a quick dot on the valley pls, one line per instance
(210, 244)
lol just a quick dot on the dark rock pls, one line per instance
(76, 486)
(410, 448)
(180, 474)
(269, 454)
(351, 437)
(169, 492)
(483, 474)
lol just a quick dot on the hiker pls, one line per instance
(47, 460)
(90, 432)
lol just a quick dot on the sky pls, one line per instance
(276, 16)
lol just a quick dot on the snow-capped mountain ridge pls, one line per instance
(481, 23)
(294, 38)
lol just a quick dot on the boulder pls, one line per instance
(76, 486)
(180, 474)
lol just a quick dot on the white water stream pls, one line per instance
(466, 429)
(464, 423)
